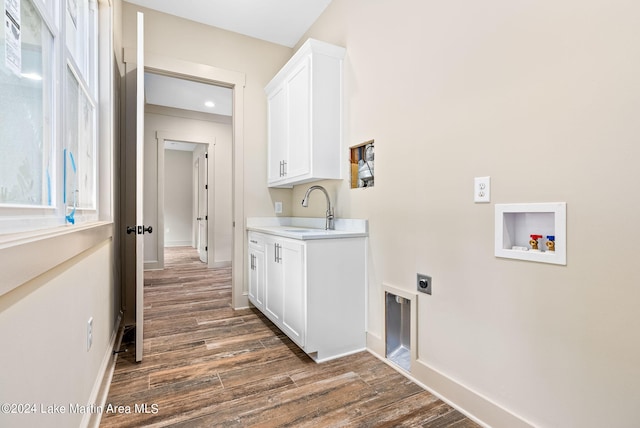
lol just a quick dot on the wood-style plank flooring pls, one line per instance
(207, 365)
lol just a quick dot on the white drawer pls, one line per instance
(256, 240)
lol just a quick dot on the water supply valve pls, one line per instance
(534, 241)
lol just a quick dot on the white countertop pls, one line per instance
(308, 228)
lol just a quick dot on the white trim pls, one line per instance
(236, 81)
(471, 403)
(413, 298)
(222, 264)
(161, 137)
(476, 407)
(105, 120)
(28, 255)
(527, 214)
(426, 388)
(178, 244)
(100, 390)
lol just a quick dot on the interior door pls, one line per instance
(203, 214)
(139, 187)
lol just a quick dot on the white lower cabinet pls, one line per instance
(284, 296)
(256, 271)
(314, 291)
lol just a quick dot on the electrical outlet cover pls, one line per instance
(482, 189)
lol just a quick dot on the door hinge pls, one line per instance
(206, 248)
(206, 186)
(206, 217)
(206, 155)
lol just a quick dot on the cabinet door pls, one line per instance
(277, 135)
(294, 310)
(256, 278)
(298, 93)
(274, 284)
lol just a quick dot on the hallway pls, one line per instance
(208, 365)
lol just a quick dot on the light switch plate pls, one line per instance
(278, 207)
(482, 189)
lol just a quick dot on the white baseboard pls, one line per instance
(179, 244)
(222, 264)
(375, 344)
(469, 402)
(152, 265)
(100, 390)
(472, 404)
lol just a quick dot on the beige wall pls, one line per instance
(192, 127)
(544, 98)
(43, 326)
(179, 213)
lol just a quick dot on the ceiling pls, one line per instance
(187, 95)
(278, 21)
(282, 22)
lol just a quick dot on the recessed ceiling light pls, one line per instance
(209, 104)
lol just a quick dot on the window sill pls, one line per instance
(24, 256)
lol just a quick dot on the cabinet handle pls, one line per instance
(253, 242)
(284, 168)
(277, 257)
(281, 168)
(251, 261)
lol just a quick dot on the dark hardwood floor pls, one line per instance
(207, 365)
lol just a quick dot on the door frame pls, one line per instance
(236, 81)
(161, 137)
(200, 182)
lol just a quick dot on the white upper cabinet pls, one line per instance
(305, 116)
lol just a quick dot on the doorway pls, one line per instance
(202, 211)
(195, 174)
(211, 75)
(183, 211)
(176, 113)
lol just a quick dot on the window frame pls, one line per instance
(26, 218)
(26, 249)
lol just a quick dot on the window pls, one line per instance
(80, 180)
(48, 113)
(26, 106)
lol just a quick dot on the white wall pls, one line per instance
(178, 196)
(543, 97)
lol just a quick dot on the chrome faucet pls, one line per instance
(305, 203)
